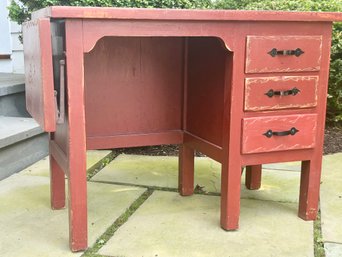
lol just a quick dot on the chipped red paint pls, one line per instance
(140, 77)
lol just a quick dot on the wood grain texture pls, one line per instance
(254, 140)
(39, 73)
(259, 61)
(257, 100)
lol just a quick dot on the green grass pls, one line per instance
(318, 239)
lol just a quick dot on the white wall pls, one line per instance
(17, 49)
(9, 42)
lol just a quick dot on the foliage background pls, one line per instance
(20, 11)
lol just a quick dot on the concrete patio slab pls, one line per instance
(169, 225)
(93, 156)
(29, 227)
(42, 167)
(142, 170)
(162, 171)
(333, 250)
(331, 198)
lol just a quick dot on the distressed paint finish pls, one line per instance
(259, 61)
(178, 77)
(39, 73)
(254, 140)
(257, 100)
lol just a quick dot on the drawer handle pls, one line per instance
(269, 133)
(292, 91)
(274, 52)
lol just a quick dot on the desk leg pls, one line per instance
(230, 194)
(186, 170)
(309, 188)
(57, 185)
(253, 177)
(77, 138)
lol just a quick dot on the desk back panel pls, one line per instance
(134, 85)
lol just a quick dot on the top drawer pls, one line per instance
(283, 53)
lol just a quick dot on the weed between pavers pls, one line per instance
(318, 239)
(103, 239)
(93, 170)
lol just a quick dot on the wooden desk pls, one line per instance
(243, 87)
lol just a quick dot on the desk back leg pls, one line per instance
(186, 170)
(57, 185)
(77, 138)
(253, 177)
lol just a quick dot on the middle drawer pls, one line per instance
(280, 92)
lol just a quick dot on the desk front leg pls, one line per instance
(231, 144)
(77, 179)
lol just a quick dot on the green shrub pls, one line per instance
(334, 107)
(21, 12)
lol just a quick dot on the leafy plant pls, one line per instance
(21, 11)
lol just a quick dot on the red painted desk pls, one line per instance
(243, 87)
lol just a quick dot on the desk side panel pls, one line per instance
(39, 73)
(205, 84)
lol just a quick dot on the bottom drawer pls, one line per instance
(278, 133)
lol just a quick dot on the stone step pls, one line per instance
(12, 95)
(22, 143)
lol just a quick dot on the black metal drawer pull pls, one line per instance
(269, 133)
(292, 91)
(274, 52)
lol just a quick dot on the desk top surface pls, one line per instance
(178, 14)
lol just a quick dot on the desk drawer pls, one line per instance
(283, 92)
(278, 133)
(283, 53)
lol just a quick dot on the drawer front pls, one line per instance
(283, 92)
(257, 138)
(260, 57)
